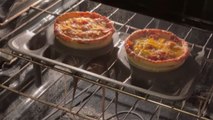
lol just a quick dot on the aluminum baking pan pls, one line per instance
(43, 41)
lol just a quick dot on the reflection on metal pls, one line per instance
(18, 8)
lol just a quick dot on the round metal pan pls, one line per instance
(76, 52)
(176, 82)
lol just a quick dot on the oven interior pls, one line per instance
(41, 83)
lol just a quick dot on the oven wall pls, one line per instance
(197, 13)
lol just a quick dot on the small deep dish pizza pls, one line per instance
(156, 50)
(83, 30)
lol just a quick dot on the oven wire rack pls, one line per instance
(96, 86)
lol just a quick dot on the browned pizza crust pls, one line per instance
(160, 63)
(83, 30)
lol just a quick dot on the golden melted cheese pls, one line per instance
(157, 49)
(83, 27)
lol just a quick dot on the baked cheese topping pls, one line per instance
(157, 49)
(84, 27)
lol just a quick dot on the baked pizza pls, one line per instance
(156, 50)
(83, 30)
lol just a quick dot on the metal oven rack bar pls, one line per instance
(101, 87)
(8, 20)
(29, 21)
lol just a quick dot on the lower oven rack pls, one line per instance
(75, 98)
(180, 107)
(70, 97)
